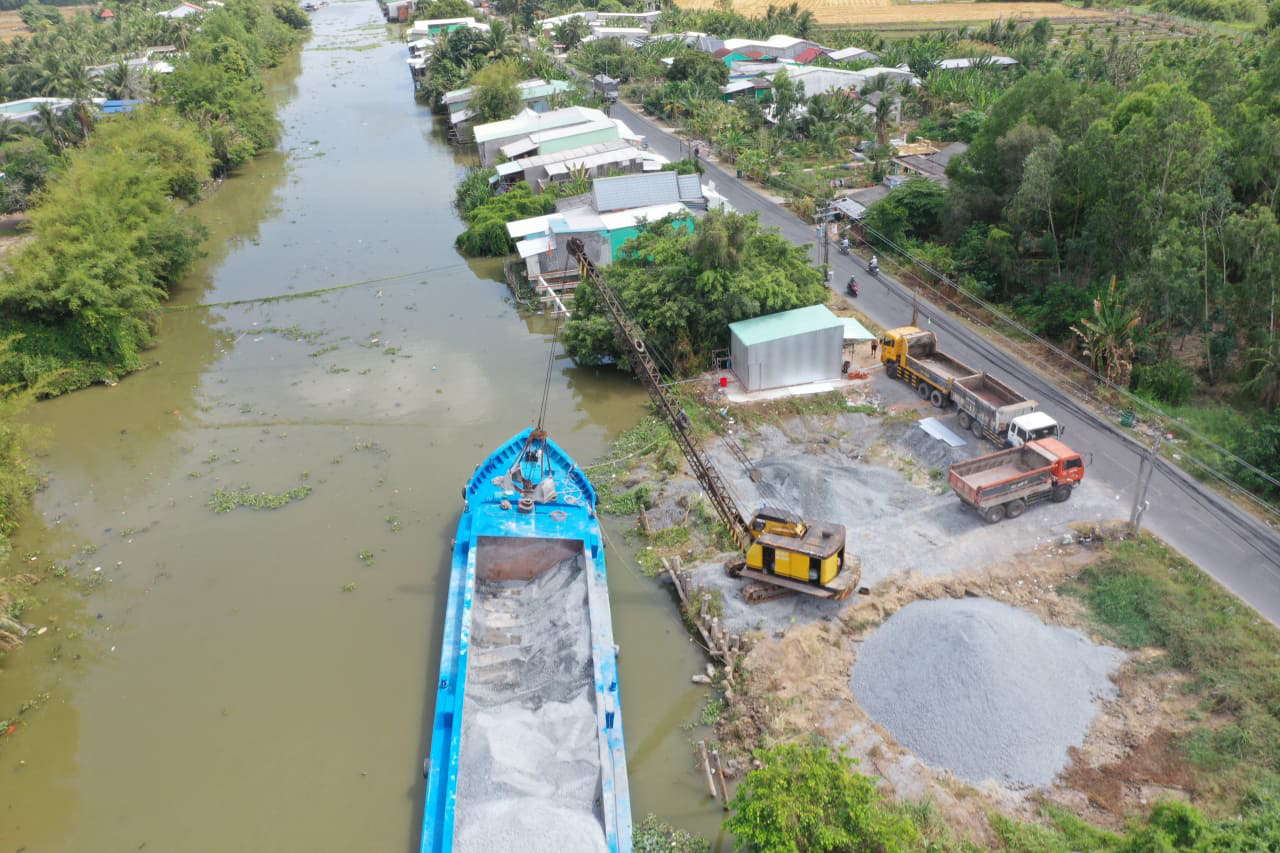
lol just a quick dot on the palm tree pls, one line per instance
(884, 114)
(498, 43)
(730, 143)
(1264, 361)
(51, 127)
(11, 130)
(570, 33)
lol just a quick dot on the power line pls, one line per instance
(1239, 488)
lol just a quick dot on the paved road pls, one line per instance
(1232, 546)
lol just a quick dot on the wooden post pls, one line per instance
(644, 522)
(706, 766)
(724, 789)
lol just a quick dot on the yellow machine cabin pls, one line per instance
(785, 546)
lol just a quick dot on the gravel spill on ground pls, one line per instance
(983, 689)
(530, 761)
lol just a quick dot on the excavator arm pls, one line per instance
(647, 371)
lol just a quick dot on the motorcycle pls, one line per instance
(873, 267)
(852, 288)
(843, 248)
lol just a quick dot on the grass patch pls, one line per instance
(692, 606)
(1142, 594)
(653, 836)
(711, 711)
(225, 500)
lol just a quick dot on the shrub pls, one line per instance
(1168, 380)
(807, 798)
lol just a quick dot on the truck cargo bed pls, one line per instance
(940, 365)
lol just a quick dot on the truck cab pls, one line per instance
(1032, 427)
(1067, 465)
(895, 343)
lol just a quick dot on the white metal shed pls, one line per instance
(788, 348)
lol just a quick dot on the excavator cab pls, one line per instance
(786, 547)
(778, 522)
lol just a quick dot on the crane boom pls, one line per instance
(647, 371)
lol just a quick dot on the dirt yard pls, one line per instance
(877, 13)
(11, 26)
(864, 462)
(799, 684)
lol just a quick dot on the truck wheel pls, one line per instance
(891, 370)
(993, 514)
(976, 429)
(965, 420)
(935, 397)
(1013, 509)
(923, 390)
(1061, 492)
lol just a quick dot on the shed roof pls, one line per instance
(525, 144)
(809, 54)
(785, 324)
(855, 331)
(528, 122)
(625, 191)
(847, 53)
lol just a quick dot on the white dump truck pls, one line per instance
(991, 409)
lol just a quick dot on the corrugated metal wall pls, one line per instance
(811, 356)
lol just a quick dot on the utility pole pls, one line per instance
(1145, 469)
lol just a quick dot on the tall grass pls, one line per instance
(1143, 594)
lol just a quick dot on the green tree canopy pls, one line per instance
(683, 289)
(495, 96)
(805, 799)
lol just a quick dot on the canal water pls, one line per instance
(260, 679)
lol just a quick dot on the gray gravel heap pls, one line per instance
(529, 763)
(983, 689)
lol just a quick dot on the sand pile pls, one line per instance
(983, 689)
(529, 768)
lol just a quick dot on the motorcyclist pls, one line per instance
(844, 245)
(874, 265)
(852, 287)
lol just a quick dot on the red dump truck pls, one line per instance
(912, 355)
(1001, 484)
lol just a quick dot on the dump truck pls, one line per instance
(991, 409)
(605, 86)
(1001, 484)
(912, 355)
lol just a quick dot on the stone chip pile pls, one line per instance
(983, 689)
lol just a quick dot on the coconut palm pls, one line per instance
(570, 33)
(51, 127)
(498, 43)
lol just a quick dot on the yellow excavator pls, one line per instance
(782, 551)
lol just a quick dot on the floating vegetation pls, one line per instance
(348, 587)
(211, 458)
(323, 350)
(225, 500)
(393, 523)
(335, 369)
(296, 333)
(366, 557)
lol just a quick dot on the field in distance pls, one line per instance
(880, 13)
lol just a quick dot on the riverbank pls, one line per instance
(248, 643)
(1158, 729)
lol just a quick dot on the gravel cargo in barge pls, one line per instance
(526, 748)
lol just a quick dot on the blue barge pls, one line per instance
(527, 750)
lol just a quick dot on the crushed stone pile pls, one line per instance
(529, 768)
(983, 689)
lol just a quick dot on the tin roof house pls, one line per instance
(604, 219)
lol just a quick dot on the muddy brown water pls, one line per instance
(206, 684)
